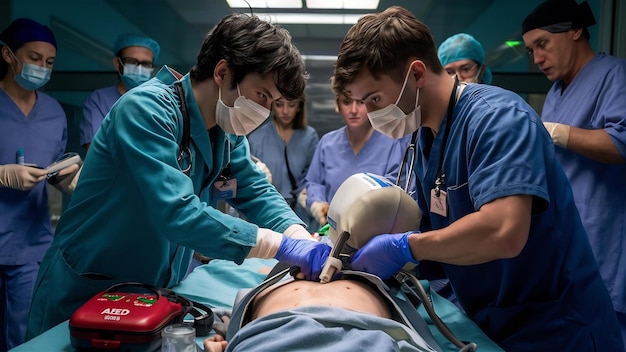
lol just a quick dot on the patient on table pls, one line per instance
(346, 314)
(352, 314)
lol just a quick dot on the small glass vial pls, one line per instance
(19, 156)
(178, 338)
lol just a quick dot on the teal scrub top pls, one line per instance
(135, 216)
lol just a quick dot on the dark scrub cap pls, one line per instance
(556, 16)
(125, 40)
(25, 30)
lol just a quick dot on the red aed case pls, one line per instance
(123, 319)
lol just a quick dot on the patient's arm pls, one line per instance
(348, 294)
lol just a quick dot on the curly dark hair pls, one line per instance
(251, 45)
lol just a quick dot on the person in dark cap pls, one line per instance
(134, 60)
(33, 131)
(585, 113)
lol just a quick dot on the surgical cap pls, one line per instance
(25, 30)
(125, 40)
(461, 46)
(557, 16)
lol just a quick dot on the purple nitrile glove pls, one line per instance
(309, 255)
(384, 255)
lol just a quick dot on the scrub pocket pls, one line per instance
(539, 321)
(62, 290)
(459, 202)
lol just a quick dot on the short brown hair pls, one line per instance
(383, 43)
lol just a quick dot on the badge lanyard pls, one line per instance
(438, 197)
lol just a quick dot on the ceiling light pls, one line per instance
(259, 4)
(330, 58)
(310, 18)
(342, 4)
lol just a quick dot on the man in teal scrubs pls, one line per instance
(144, 204)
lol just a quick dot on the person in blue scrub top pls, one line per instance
(33, 132)
(167, 152)
(134, 60)
(462, 55)
(353, 148)
(585, 114)
(286, 143)
(501, 216)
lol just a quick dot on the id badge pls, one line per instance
(439, 205)
(225, 189)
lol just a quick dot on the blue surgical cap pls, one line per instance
(461, 46)
(126, 39)
(25, 30)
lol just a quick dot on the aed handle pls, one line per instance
(115, 288)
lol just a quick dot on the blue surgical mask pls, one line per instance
(32, 76)
(134, 75)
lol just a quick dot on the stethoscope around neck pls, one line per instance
(410, 165)
(412, 147)
(185, 160)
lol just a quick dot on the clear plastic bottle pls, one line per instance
(19, 156)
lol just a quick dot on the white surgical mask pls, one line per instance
(242, 118)
(392, 121)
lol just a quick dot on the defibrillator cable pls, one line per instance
(402, 276)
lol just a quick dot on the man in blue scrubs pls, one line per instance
(134, 60)
(167, 152)
(585, 113)
(499, 215)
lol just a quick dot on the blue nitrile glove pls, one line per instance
(384, 255)
(309, 255)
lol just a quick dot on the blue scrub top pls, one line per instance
(550, 297)
(267, 145)
(334, 161)
(135, 216)
(596, 99)
(25, 230)
(95, 108)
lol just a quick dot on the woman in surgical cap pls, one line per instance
(33, 131)
(464, 56)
